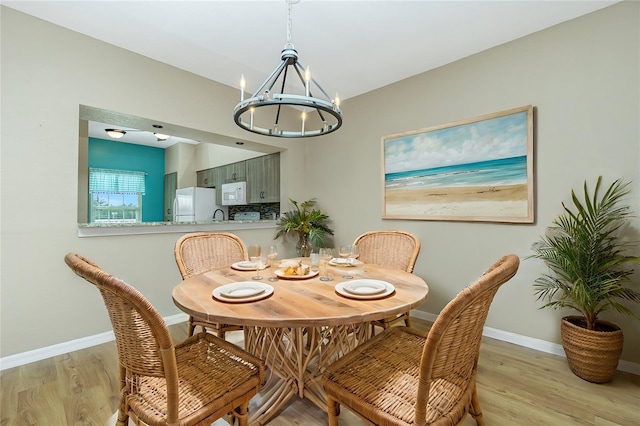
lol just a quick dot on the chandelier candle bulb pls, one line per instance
(336, 100)
(304, 116)
(307, 80)
(251, 118)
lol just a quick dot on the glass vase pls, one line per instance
(303, 248)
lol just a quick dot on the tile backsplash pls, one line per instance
(266, 210)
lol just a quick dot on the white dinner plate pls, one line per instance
(339, 261)
(245, 291)
(340, 289)
(280, 273)
(365, 286)
(245, 265)
(242, 290)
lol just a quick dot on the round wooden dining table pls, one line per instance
(302, 326)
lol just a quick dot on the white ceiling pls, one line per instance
(136, 136)
(352, 47)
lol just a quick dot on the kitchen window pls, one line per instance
(115, 196)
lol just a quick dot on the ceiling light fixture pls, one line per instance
(115, 133)
(288, 115)
(119, 133)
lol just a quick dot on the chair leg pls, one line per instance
(123, 409)
(123, 419)
(475, 410)
(333, 410)
(383, 323)
(242, 414)
(123, 414)
(191, 326)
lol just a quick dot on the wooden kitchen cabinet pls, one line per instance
(263, 179)
(229, 173)
(170, 185)
(204, 178)
(262, 175)
(217, 179)
(235, 172)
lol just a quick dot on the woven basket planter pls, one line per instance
(592, 355)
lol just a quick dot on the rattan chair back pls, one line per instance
(403, 377)
(201, 251)
(395, 249)
(450, 355)
(140, 331)
(192, 383)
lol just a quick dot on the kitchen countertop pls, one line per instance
(103, 230)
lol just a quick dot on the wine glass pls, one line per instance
(257, 260)
(345, 252)
(325, 256)
(353, 252)
(272, 255)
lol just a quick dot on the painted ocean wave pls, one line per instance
(505, 171)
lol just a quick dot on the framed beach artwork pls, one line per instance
(479, 169)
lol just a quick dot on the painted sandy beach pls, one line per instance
(469, 201)
(476, 170)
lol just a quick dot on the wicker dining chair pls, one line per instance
(194, 382)
(405, 377)
(199, 252)
(395, 249)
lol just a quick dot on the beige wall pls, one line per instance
(582, 77)
(210, 155)
(181, 158)
(47, 72)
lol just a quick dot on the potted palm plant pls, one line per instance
(307, 223)
(589, 266)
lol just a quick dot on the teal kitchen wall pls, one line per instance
(125, 156)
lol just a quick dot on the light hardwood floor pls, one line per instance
(516, 386)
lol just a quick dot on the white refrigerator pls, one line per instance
(196, 204)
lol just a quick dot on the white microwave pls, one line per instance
(234, 194)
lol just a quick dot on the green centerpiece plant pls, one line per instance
(307, 223)
(589, 269)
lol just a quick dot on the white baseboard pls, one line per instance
(73, 345)
(529, 342)
(86, 342)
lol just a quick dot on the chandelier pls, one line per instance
(297, 114)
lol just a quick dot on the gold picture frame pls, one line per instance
(478, 169)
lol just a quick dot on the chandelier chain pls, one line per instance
(289, 45)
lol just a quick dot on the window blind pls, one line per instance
(123, 181)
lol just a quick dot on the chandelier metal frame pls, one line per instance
(327, 109)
